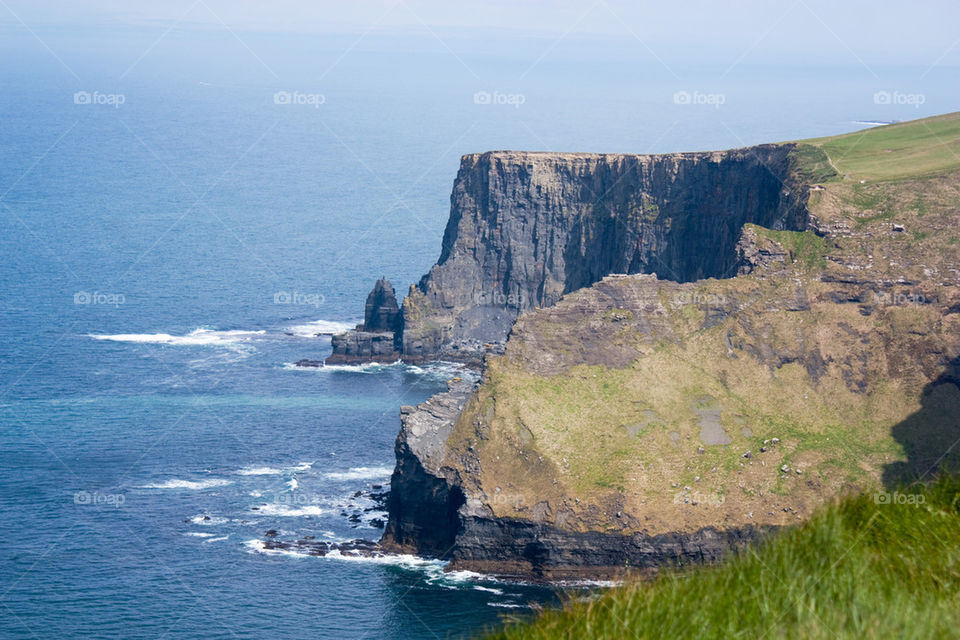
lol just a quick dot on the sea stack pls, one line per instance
(372, 341)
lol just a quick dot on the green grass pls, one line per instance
(806, 248)
(899, 151)
(813, 165)
(857, 569)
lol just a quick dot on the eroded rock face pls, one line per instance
(424, 503)
(375, 339)
(526, 228)
(381, 313)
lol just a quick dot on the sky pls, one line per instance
(845, 31)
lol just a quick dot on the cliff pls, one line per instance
(526, 228)
(799, 342)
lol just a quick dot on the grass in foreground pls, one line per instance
(859, 569)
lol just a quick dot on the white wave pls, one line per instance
(208, 520)
(188, 484)
(198, 534)
(499, 592)
(258, 546)
(202, 337)
(360, 473)
(320, 327)
(273, 471)
(443, 370)
(366, 367)
(406, 561)
(220, 539)
(507, 605)
(256, 494)
(292, 484)
(260, 471)
(286, 510)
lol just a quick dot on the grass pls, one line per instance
(899, 151)
(806, 248)
(857, 569)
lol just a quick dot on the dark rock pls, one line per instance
(309, 363)
(272, 533)
(381, 313)
(354, 347)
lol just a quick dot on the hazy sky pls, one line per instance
(922, 32)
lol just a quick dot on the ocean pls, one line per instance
(175, 229)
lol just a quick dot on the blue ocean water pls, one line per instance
(163, 262)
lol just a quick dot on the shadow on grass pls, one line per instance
(931, 436)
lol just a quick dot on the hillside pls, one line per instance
(649, 419)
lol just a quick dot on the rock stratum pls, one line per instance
(681, 353)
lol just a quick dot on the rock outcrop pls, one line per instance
(381, 313)
(375, 339)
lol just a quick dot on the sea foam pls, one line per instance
(188, 484)
(320, 327)
(197, 337)
(360, 473)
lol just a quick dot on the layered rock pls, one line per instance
(381, 312)
(526, 228)
(375, 339)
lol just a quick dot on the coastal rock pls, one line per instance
(381, 312)
(423, 503)
(357, 347)
(374, 340)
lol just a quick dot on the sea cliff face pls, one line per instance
(526, 228)
(801, 341)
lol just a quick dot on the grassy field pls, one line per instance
(898, 151)
(865, 567)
